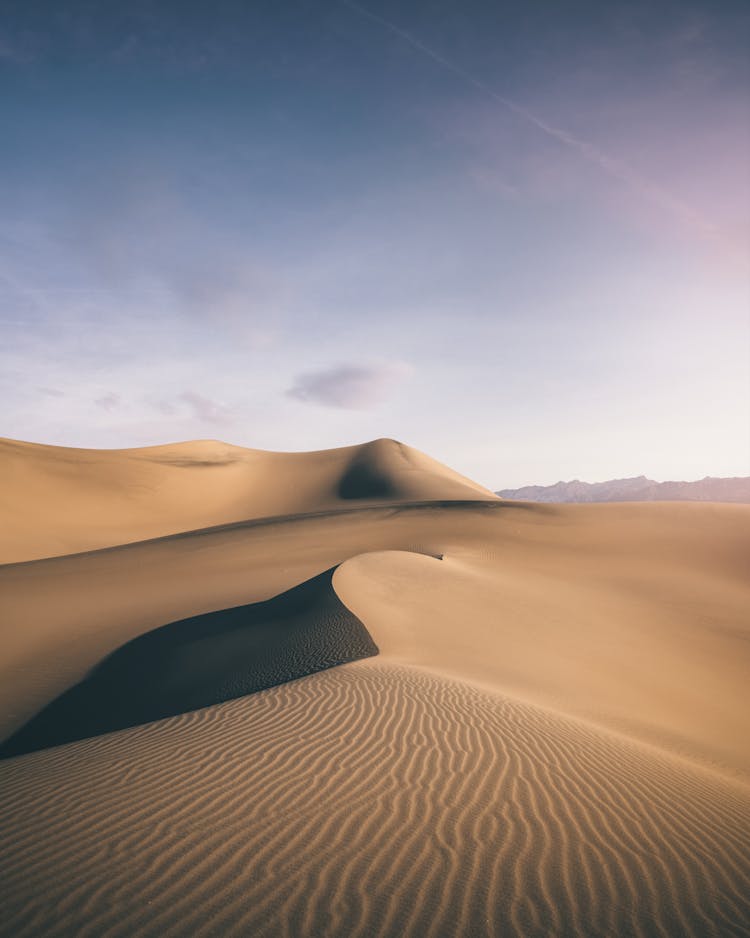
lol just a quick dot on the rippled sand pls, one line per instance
(371, 800)
(552, 740)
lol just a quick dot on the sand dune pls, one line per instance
(632, 616)
(552, 740)
(203, 660)
(641, 637)
(371, 800)
(56, 500)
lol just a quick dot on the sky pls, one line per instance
(514, 236)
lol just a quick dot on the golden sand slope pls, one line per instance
(56, 500)
(555, 739)
(632, 616)
(370, 800)
(203, 660)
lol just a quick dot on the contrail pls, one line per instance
(588, 151)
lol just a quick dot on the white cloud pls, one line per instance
(108, 401)
(353, 387)
(205, 409)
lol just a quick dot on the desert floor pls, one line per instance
(352, 693)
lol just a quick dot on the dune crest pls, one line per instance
(552, 740)
(207, 659)
(57, 500)
(656, 671)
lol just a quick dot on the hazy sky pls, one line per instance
(513, 235)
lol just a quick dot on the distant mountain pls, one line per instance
(638, 489)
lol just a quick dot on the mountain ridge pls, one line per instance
(636, 489)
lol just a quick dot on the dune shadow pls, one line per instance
(362, 480)
(203, 660)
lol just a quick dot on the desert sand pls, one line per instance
(352, 693)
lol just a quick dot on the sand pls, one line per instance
(55, 500)
(553, 738)
(203, 660)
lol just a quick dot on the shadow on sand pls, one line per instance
(203, 660)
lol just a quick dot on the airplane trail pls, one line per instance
(586, 150)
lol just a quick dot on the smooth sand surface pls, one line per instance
(553, 740)
(55, 500)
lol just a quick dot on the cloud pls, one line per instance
(134, 233)
(609, 164)
(352, 387)
(204, 409)
(15, 51)
(108, 401)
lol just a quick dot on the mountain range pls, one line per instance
(638, 489)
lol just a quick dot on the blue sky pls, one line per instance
(514, 236)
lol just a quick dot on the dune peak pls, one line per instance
(62, 500)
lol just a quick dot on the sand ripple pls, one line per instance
(371, 800)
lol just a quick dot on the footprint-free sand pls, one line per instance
(546, 731)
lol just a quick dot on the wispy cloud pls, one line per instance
(612, 165)
(205, 409)
(108, 402)
(353, 387)
(15, 51)
(135, 238)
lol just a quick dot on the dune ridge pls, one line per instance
(553, 739)
(203, 660)
(578, 608)
(370, 800)
(58, 500)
